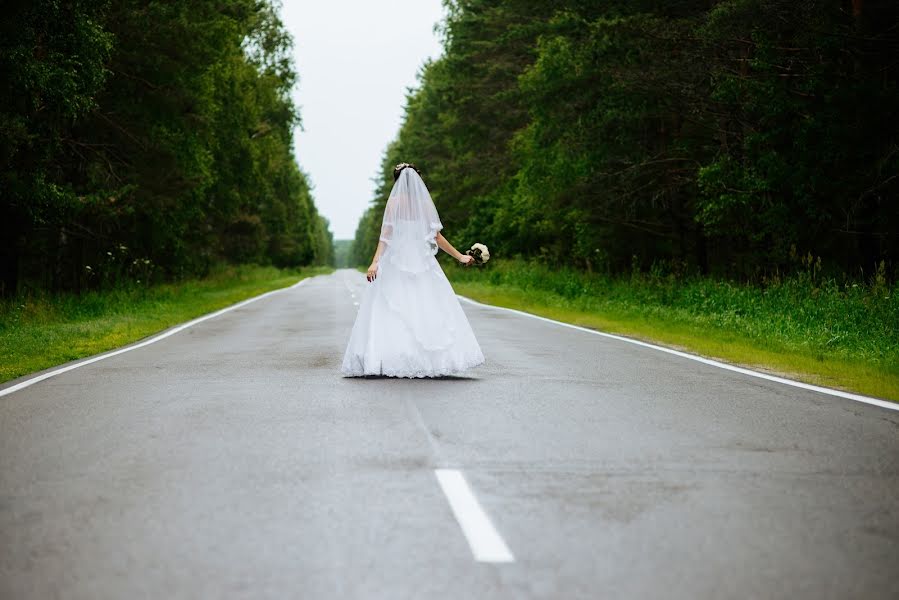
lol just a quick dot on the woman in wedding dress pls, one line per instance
(410, 323)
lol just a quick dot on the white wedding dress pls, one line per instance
(410, 323)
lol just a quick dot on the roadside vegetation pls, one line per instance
(821, 330)
(41, 329)
(149, 140)
(147, 146)
(715, 176)
(728, 136)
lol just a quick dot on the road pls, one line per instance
(231, 460)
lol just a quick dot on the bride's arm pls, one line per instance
(373, 268)
(444, 245)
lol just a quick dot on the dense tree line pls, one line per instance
(729, 137)
(148, 139)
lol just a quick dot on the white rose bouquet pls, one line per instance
(479, 253)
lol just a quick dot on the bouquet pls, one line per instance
(479, 253)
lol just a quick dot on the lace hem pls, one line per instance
(358, 370)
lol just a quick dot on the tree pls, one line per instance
(151, 132)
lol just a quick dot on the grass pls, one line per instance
(42, 330)
(842, 335)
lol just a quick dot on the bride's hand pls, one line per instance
(466, 259)
(372, 271)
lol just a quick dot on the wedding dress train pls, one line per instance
(410, 323)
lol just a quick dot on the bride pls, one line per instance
(410, 323)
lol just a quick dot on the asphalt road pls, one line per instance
(231, 460)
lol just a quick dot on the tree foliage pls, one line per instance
(729, 137)
(149, 139)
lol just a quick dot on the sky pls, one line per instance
(355, 60)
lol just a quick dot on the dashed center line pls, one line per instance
(484, 540)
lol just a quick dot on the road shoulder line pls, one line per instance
(708, 361)
(171, 331)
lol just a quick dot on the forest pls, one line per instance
(148, 141)
(741, 139)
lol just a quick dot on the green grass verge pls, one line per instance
(842, 335)
(40, 331)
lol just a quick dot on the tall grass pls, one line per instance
(803, 316)
(39, 329)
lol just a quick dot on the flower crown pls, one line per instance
(399, 167)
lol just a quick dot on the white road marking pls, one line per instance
(484, 540)
(346, 282)
(182, 327)
(806, 386)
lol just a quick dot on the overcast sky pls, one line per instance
(355, 59)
